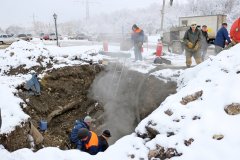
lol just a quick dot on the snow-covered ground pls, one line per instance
(217, 77)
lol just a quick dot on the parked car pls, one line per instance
(81, 36)
(7, 39)
(46, 37)
(92, 38)
(30, 37)
(52, 36)
(24, 37)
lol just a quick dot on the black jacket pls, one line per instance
(103, 144)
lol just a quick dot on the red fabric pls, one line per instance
(235, 31)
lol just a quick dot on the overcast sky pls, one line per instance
(23, 12)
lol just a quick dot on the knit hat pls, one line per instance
(193, 23)
(106, 133)
(88, 119)
(83, 133)
(134, 26)
(224, 24)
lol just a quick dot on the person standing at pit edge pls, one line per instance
(204, 44)
(192, 41)
(137, 39)
(221, 38)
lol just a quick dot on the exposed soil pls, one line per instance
(138, 95)
(59, 87)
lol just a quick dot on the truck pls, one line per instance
(174, 37)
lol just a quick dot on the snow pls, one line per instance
(167, 74)
(217, 77)
(217, 93)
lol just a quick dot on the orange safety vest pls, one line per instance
(93, 141)
(138, 30)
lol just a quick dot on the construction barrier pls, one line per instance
(105, 46)
(159, 49)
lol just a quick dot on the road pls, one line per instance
(68, 43)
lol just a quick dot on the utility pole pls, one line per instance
(163, 12)
(162, 20)
(87, 10)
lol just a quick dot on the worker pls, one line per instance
(204, 42)
(235, 33)
(103, 140)
(137, 39)
(221, 38)
(192, 41)
(89, 141)
(85, 123)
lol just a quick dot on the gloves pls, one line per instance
(196, 47)
(189, 45)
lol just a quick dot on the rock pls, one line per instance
(151, 132)
(153, 153)
(168, 112)
(163, 153)
(188, 142)
(196, 117)
(233, 109)
(192, 97)
(218, 136)
(176, 120)
(169, 134)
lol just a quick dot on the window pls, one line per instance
(184, 22)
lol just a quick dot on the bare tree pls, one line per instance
(15, 30)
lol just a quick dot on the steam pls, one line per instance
(121, 113)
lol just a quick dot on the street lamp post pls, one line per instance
(55, 20)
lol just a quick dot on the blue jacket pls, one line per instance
(33, 84)
(137, 36)
(74, 134)
(221, 37)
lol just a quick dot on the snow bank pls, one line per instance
(27, 55)
(12, 114)
(22, 53)
(218, 79)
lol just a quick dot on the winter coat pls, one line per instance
(221, 37)
(33, 84)
(74, 133)
(91, 145)
(204, 40)
(235, 31)
(137, 37)
(194, 38)
(103, 144)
